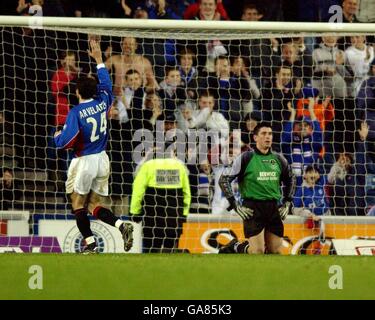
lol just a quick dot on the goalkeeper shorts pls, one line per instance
(266, 216)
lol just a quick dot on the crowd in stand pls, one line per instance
(318, 93)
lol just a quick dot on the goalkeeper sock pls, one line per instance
(107, 216)
(241, 247)
(83, 222)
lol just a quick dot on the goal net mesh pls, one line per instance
(317, 90)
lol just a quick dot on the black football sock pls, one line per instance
(107, 216)
(83, 222)
(241, 247)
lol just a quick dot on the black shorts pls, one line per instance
(266, 216)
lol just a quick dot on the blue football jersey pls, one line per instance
(85, 129)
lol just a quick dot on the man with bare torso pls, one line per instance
(130, 60)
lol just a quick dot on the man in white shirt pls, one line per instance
(206, 118)
(359, 57)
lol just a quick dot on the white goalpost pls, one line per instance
(314, 82)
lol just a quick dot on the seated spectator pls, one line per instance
(310, 199)
(329, 69)
(172, 91)
(359, 57)
(342, 186)
(301, 141)
(9, 190)
(130, 60)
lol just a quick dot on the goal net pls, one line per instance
(208, 84)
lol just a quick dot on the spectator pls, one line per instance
(130, 104)
(160, 9)
(365, 167)
(304, 53)
(329, 69)
(301, 65)
(258, 51)
(153, 104)
(310, 199)
(230, 91)
(188, 72)
(366, 11)
(365, 108)
(240, 70)
(9, 190)
(275, 101)
(342, 186)
(222, 156)
(323, 110)
(250, 122)
(130, 60)
(172, 91)
(202, 200)
(206, 117)
(206, 10)
(35, 8)
(63, 90)
(359, 57)
(349, 11)
(207, 52)
(63, 86)
(301, 141)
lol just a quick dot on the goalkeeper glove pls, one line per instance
(244, 212)
(285, 209)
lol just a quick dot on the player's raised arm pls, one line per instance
(105, 84)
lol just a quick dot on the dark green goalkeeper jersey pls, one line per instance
(260, 177)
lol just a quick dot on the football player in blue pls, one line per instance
(85, 131)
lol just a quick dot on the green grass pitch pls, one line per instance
(185, 277)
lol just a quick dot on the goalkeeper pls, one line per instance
(260, 173)
(161, 199)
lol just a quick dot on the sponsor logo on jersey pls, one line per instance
(267, 176)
